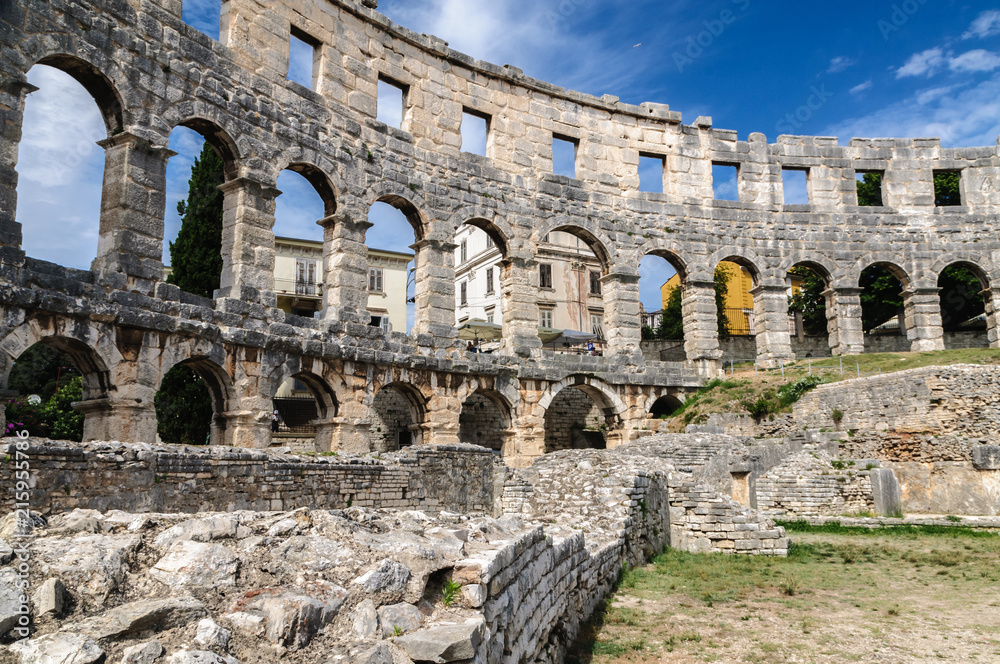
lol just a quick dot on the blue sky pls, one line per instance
(913, 68)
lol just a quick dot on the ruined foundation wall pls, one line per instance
(810, 484)
(567, 418)
(148, 478)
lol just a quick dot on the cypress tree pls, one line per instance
(196, 255)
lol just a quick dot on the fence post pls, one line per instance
(810, 367)
(782, 370)
(858, 365)
(841, 365)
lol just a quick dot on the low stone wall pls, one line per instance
(898, 343)
(948, 487)
(810, 484)
(150, 478)
(960, 399)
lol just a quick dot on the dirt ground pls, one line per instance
(844, 596)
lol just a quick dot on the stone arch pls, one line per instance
(596, 388)
(747, 258)
(217, 130)
(585, 229)
(664, 405)
(105, 84)
(487, 221)
(580, 412)
(326, 398)
(486, 420)
(678, 259)
(406, 201)
(319, 171)
(975, 263)
(882, 259)
(817, 262)
(217, 379)
(397, 412)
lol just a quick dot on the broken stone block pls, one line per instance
(885, 492)
(196, 564)
(49, 597)
(12, 603)
(986, 457)
(380, 654)
(200, 657)
(282, 528)
(364, 620)
(219, 526)
(291, 618)
(139, 616)
(142, 653)
(246, 622)
(210, 635)
(92, 565)
(389, 577)
(58, 648)
(402, 617)
(6, 553)
(448, 643)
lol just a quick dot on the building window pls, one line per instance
(489, 317)
(725, 182)
(391, 102)
(303, 59)
(463, 252)
(870, 190)
(381, 322)
(545, 276)
(795, 182)
(595, 283)
(306, 276)
(545, 318)
(475, 132)
(597, 325)
(651, 170)
(564, 149)
(489, 281)
(489, 241)
(375, 279)
(463, 290)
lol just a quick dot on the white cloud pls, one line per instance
(839, 64)
(978, 60)
(968, 118)
(925, 63)
(862, 87)
(986, 24)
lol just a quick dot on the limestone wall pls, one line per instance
(572, 421)
(809, 483)
(148, 478)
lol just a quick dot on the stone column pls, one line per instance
(434, 289)
(991, 296)
(622, 327)
(774, 340)
(701, 326)
(843, 316)
(247, 240)
(133, 201)
(12, 96)
(345, 268)
(124, 420)
(922, 317)
(519, 299)
(249, 429)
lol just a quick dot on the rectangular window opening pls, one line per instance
(203, 15)
(391, 102)
(796, 185)
(725, 182)
(597, 325)
(595, 283)
(564, 151)
(947, 188)
(463, 252)
(489, 281)
(870, 188)
(651, 168)
(545, 318)
(464, 294)
(303, 59)
(545, 276)
(375, 279)
(475, 132)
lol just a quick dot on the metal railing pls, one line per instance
(739, 322)
(297, 287)
(850, 368)
(297, 414)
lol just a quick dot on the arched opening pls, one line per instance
(193, 252)
(807, 309)
(578, 418)
(882, 313)
(60, 165)
(301, 401)
(661, 289)
(306, 197)
(484, 421)
(393, 276)
(192, 401)
(397, 414)
(664, 407)
(963, 308)
(735, 279)
(572, 264)
(480, 249)
(47, 378)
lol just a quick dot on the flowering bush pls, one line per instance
(23, 416)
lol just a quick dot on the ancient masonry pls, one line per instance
(149, 72)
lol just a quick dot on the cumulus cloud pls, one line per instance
(862, 87)
(925, 63)
(986, 24)
(839, 64)
(975, 61)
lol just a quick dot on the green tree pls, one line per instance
(870, 190)
(809, 301)
(960, 298)
(62, 422)
(37, 371)
(947, 188)
(196, 255)
(672, 320)
(183, 408)
(881, 297)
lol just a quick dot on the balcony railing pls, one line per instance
(296, 287)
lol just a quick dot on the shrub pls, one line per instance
(760, 409)
(62, 422)
(23, 416)
(792, 392)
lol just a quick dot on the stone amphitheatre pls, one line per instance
(446, 551)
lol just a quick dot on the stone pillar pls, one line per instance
(519, 299)
(124, 420)
(12, 96)
(701, 327)
(622, 326)
(922, 317)
(843, 315)
(991, 296)
(434, 289)
(133, 202)
(244, 428)
(345, 268)
(247, 240)
(770, 309)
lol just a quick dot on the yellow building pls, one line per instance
(738, 301)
